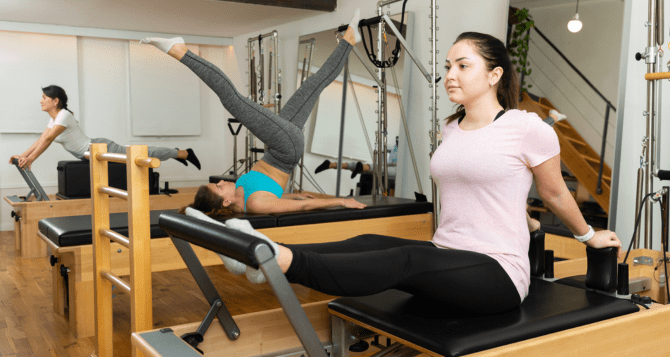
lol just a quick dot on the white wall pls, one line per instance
(103, 111)
(632, 125)
(479, 15)
(104, 102)
(594, 51)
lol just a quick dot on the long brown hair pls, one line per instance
(495, 55)
(208, 203)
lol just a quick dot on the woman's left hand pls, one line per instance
(604, 239)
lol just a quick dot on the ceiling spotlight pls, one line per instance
(575, 25)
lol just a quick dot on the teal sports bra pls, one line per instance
(255, 181)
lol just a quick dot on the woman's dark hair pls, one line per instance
(53, 92)
(495, 55)
(208, 203)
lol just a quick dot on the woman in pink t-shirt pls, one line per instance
(490, 154)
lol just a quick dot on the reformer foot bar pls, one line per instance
(242, 247)
(35, 187)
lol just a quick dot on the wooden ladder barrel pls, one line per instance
(138, 241)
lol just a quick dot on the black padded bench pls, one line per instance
(548, 308)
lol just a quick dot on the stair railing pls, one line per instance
(608, 104)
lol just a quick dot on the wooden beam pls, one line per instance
(317, 5)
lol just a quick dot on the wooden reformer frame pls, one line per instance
(28, 214)
(138, 242)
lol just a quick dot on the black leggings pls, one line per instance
(369, 264)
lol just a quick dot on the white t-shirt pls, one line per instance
(484, 177)
(73, 138)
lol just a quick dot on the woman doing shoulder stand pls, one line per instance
(64, 129)
(478, 258)
(262, 189)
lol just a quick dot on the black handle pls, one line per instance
(663, 175)
(548, 264)
(622, 279)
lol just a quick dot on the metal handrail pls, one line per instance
(608, 104)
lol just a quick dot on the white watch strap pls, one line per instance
(586, 236)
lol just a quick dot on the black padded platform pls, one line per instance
(378, 206)
(76, 230)
(548, 308)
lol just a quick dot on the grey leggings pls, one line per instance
(282, 134)
(157, 152)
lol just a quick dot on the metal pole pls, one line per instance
(409, 139)
(433, 85)
(599, 189)
(651, 60)
(277, 93)
(343, 116)
(378, 169)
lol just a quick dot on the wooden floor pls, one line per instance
(29, 327)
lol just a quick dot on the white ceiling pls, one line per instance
(186, 17)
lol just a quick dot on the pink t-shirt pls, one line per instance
(484, 177)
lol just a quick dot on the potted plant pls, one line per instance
(520, 23)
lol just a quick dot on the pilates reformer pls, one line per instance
(27, 214)
(70, 241)
(552, 314)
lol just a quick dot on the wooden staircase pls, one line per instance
(576, 154)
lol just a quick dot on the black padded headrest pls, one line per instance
(377, 206)
(229, 242)
(548, 308)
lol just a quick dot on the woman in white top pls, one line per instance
(64, 129)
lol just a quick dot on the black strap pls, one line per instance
(500, 113)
